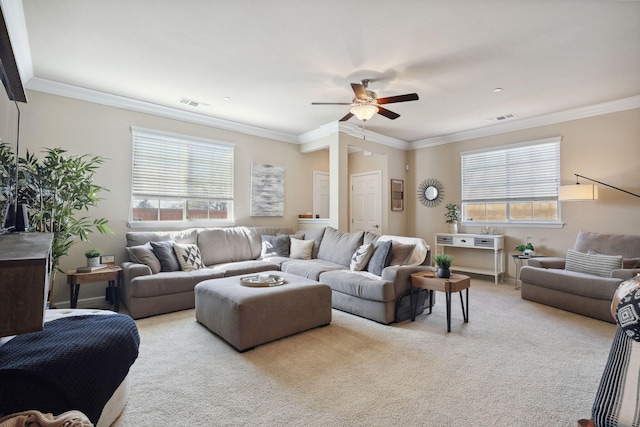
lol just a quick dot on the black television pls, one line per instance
(15, 214)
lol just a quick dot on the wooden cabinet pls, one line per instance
(25, 269)
(488, 242)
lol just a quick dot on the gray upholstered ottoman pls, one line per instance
(247, 316)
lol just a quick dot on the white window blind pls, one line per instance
(168, 166)
(524, 172)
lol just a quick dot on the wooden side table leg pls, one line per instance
(113, 289)
(411, 305)
(465, 312)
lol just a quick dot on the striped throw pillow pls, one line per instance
(598, 265)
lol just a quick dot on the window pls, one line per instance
(512, 184)
(180, 178)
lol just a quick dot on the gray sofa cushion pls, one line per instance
(137, 238)
(610, 244)
(244, 267)
(311, 269)
(571, 282)
(315, 235)
(220, 245)
(165, 254)
(359, 284)
(338, 247)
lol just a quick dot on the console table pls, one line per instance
(480, 242)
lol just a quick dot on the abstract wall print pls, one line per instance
(267, 190)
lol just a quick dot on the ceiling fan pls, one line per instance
(366, 103)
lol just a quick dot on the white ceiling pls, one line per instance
(273, 58)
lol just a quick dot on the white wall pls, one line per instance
(82, 127)
(605, 148)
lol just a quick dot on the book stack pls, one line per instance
(87, 269)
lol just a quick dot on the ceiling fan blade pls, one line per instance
(399, 98)
(387, 113)
(359, 90)
(330, 103)
(347, 117)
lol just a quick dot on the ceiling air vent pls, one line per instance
(192, 103)
(501, 118)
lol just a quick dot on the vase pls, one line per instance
(93, 262)
(443, 273)
(453, 227)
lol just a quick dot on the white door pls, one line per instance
(320, 194)
(366, 206)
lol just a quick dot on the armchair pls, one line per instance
(587, 279)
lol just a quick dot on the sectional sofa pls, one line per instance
(370, 275)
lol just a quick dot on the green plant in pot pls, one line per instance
(453, 216)
(443, 261)
(93, 257)
(526, 248)
(56, 188)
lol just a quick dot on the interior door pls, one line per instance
(366, 205)
(321, 194)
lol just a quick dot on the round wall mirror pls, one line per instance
(430, 192)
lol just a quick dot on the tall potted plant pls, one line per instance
(56, 188)
(452, 215)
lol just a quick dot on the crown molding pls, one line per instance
(547, 119)
(97, 97)
(352, 130)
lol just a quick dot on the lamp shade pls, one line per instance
(578, 192)
(364, 111)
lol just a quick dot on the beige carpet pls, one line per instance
(516, 363)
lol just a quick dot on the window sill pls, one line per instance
(164, 225)
(513, 224)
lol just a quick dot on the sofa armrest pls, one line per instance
(131, 270)
(400, 275)
(625, 273)
(547, 262)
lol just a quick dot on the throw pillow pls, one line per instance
(164, 252)
(400, 252)
(628, 309)
(598, 265)
(143, 254)
(275, 246)
(188, 256)
(381, 258)
(301, 249)
(361, 257)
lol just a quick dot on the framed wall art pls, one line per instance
(397, 195)
(267, 190)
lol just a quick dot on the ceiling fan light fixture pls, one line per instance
(364, 111)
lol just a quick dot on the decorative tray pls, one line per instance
(262, 282)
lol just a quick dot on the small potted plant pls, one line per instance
(526, 248)
(443, 261)
(93, 257)
(452, 216)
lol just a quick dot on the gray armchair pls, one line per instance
(586, 281)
